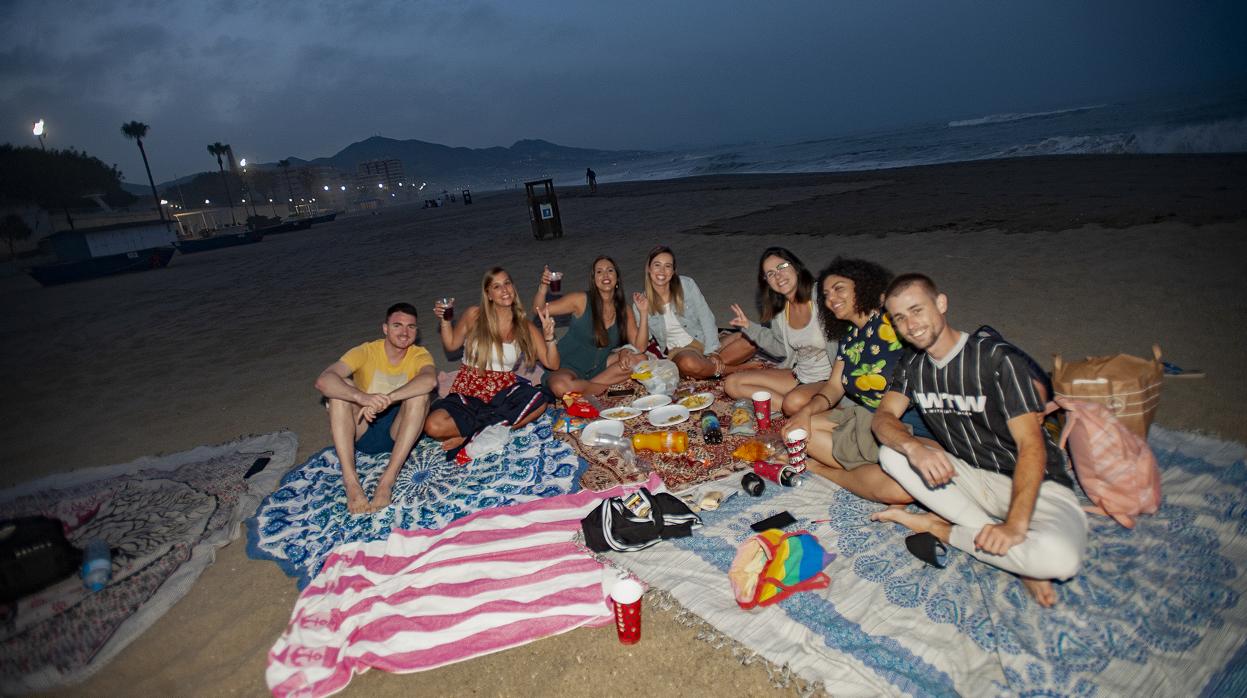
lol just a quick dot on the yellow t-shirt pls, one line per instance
(373, 372)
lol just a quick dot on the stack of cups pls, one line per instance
(762, 409)
(794, 443)
(626, 597)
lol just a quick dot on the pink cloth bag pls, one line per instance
(1114, 465)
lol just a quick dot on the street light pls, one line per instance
(38, 131)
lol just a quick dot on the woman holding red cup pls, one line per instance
(496, 337)
(840, 444)
(597, 350)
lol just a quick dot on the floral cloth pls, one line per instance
(869, 354)
(482, 384)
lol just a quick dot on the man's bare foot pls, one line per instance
(1041, 589)
(453, 443)
(925, 522)
(381, 497)
(356, 501)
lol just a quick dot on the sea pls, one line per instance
(1193, 121)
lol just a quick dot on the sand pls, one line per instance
(1072, 255)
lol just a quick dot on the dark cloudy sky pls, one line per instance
(277, 78)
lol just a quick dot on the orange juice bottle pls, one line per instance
(661, 442)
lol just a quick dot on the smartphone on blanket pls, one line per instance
(781, 521)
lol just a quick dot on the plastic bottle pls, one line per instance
(661, 442)
(97, 564)
(711, 432)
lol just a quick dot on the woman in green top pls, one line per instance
(593, 354)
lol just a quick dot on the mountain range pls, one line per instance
(479, 168)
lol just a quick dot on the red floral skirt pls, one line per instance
(482, 384)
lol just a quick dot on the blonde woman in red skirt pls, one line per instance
(496, 337)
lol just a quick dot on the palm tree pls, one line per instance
(138, 131)
(218, 149)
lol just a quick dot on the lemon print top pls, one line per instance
(869, 353)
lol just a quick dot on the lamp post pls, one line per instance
(38, 131)
(243, 164)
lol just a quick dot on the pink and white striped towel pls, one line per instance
(422, 599)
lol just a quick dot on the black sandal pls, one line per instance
(928, 548)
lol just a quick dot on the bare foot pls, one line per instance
(919, 523)
(452, 443)
(356, 501)
(1041, 589)
(381, 497)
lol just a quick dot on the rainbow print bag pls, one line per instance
(774, 565)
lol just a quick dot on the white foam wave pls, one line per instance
(1224, 136)
(1018, 116)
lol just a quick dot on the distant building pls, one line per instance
(383, 180)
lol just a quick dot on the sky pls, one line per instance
(305, 78)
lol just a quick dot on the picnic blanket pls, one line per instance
(1158, 610)
(423, 599)
(679, 471)
(164, 517)
(306, 518)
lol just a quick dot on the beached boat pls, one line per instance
(287, 226)
(95, 267)
(88, 253)
(218, 241)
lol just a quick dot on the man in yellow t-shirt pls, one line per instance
(378, 395)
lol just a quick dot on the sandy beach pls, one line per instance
(1074, 255)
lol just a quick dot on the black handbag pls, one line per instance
(637, 521)
(34, 555)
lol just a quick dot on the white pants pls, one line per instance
(1055, 543)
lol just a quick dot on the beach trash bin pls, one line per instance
(467, 196)
(543, 209)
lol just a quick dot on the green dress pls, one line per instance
(579, 353)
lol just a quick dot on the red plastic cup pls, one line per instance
(626, 596)
(794, 442)
(556, 281)
(762, 409)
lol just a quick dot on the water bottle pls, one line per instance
(97, 564)
(711, 432)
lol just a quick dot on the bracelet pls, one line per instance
(826, 399)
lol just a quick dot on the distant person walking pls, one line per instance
(592, 177)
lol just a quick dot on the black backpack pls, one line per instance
(33, 555)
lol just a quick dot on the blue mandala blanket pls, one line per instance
(1158, 610)
(306, 518)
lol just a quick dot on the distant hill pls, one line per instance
(481, 168)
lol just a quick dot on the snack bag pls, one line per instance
(753, 450)
(568, 424)
(742, 419)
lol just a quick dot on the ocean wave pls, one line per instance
(1019, 116)
(1223, 136)
(1108, 144)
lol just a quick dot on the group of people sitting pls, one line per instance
(899, 406)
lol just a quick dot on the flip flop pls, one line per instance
(1173, 370)
(928, 548)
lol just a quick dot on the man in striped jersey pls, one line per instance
(996, 484)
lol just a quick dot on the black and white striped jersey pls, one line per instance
(968, 398)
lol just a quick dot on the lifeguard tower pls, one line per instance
(543, 209)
